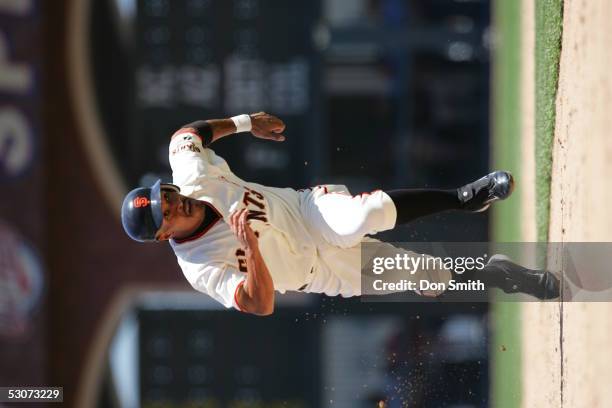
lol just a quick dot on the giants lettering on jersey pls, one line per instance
(257, 211)
(187, 144)
(252, 199)
(242, 264)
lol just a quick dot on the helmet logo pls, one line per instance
(141, 202)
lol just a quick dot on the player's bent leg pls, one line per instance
(341, 271)
(475, 196)
(415, 203)
(349, 272)
(343, 220)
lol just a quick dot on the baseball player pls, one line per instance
(240, 242)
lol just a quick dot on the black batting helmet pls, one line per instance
(141, 212)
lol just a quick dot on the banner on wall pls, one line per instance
(22, 273)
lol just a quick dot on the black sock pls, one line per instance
(415, 203)
(485, 275)
(494, 275)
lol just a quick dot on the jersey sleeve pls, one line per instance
(190, 159)
(221, 282)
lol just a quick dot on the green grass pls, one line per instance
(506, 350)
(549, 26)
(506, 341)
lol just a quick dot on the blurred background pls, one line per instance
(375, 94)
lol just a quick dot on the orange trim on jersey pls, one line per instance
(201, 234)
(236, 295)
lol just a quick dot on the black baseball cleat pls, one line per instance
(513, 278)
(479, 195)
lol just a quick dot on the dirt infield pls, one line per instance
(567, 356)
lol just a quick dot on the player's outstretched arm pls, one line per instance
(262, 125)
(256, 295)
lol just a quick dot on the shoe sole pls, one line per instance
(483, 209)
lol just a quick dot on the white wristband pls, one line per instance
(242, 122)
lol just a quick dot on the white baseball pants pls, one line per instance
(339, 222)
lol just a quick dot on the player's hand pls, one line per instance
(241, 228)
(266, 126)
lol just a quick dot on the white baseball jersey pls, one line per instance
(308, 239)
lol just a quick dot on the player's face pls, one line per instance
(182, 215)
